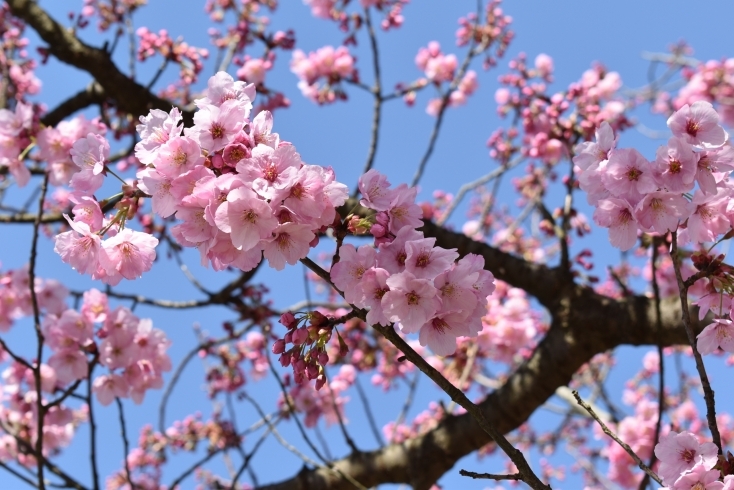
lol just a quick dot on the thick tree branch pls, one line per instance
(93, 94)
(128, 95)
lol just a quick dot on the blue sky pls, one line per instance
(574, 33)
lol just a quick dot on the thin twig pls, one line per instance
(708, 392)
(182, 365)
(611, 434)
(489, 476)
(406, 404)
(473, 185)
(298, 453)
(41, 410)
(125, 442)
(92, 432)
(18, 474)
(368, 412)
(247, 459)
(340, 419)
(446, 97)
(292, 410)
(661, 365)
(377, 94)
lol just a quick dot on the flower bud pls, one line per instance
(279, 346)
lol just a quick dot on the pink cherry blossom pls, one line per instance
(129, 253)
(155, 130)
(69, 365)
(699, 478)
(698, 124)
(439, 334)
(661, 211)
(675, 166)
(215, 127)
(713, 166)
(347, 273)
(708, 220)
(425, 261)
(410, 301)
(719, 334)
(591, 154)
(404, 212)
(374, 286)
(246, 217)
(618, 216)
(80, 252)
(629, 175)
(107, 387)
(375, 189)
(680, 452)
(177, 156)
(289, 244)
(89, 154)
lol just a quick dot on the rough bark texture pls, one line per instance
(584, 323)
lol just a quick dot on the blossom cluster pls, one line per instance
(551, 122)
(227, 374)
(146, 461)
(327, 64)
(16, 301)
(189, 58)
(406, 278)
(439, 68)
(631, 193)
(239, 191)
(19, 413)
(712, 81)
(308, 354)
(132, 350)
(335, 10)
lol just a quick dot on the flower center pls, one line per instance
(401, 257)
(423, 259)
(413, 299)
(687, 455)
(692, 127)
(217, 131)
(283, 240)
(180, 157)
(250, 216)
(439, 325)
(271, 173)
(633, 174)
(675, 166)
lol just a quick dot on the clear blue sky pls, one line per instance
(574, 33)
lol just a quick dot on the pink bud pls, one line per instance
(323, 358)
(312, 370)
(285, 360)
(320, 382)
(279, 346)
(287, 319)
(377, 230)
(299, 336)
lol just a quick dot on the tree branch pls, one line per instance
(129, 96)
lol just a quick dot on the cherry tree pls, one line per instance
(167, 175)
